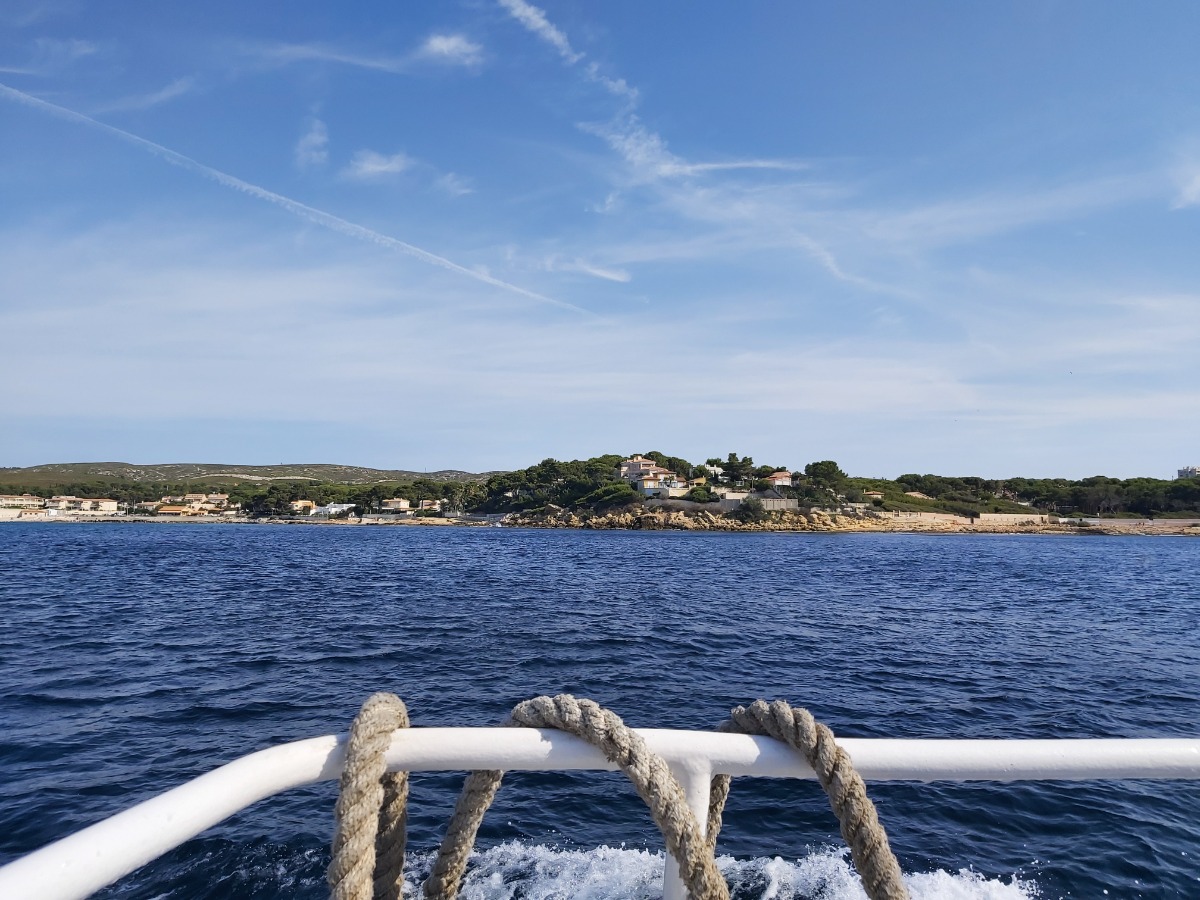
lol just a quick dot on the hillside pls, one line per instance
(223, 473)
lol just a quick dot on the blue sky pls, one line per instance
(931, 237)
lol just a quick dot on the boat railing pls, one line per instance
(82, 863)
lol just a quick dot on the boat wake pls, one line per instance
(515, 870)
(261, 869)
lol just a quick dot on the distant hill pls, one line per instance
(60, 473)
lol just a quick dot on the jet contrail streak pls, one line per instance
(308, 213)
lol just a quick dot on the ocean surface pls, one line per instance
(134, 657)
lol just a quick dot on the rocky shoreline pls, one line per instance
(821, 521)
(674, 520)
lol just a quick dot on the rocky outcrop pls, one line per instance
(813, 520)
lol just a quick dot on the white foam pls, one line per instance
(516, 871)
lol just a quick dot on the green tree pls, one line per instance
(826, 475)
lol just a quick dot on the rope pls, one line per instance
(604, 730)
(847, 794)
(370, 816)
(368, 848)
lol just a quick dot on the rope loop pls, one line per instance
(861, 830)
(368, 847)
(370, 815)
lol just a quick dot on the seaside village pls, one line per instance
(658, 485)
(28, 506)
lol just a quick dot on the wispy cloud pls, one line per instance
(454, 185)
(1189, 190)
(367, 165)
(21, 15)
(535, 21)
(313, 147)
(136, 102)
(48, 56)
(285, 54)
(300, 210)
(969, 218)
(441, 49)
(583, 267)
(452, 49)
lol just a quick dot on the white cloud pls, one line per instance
(176, 88)
(295, 208)
(1189, 191)
(285, 54)
(607, 273)
(534, 20)
(367, 165)
(313, 148)
(51, 55)
(969, 218)
(454, 185)
(454, 49)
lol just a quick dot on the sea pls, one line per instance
(136, 656)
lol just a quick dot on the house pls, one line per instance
(219, 500)
(302, 507)
(636, 465)
(21, 501)
(174, 509)
(333, 509)
(396, 504)
(780, 479)
(873, 495)
(1189, 472)
(424, 505)
(69, 503)
(730, 494)
(661, 483)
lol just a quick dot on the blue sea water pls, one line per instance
(134, 657)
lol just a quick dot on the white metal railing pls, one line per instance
(82, 863)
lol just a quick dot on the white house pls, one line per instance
(333, 509)
(781, 478)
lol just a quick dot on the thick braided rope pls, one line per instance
(451, 862)
(368, 841)
(647, 770)
(847, 794)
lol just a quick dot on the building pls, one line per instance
(1189, 472)
(396, 504)
(873, 495)
(302, 507)
(21, 501)
(780, 479)
(333, 509)
(630, 469)
(69, 503)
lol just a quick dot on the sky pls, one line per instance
(922, 237)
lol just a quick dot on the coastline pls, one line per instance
(814, 521)
(822, 522)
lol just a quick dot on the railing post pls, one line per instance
(695, 777)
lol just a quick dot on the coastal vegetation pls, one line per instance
(594, 485)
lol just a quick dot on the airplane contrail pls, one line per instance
(308, 213)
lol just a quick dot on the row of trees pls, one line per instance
(1098, 495)
(593, 484)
